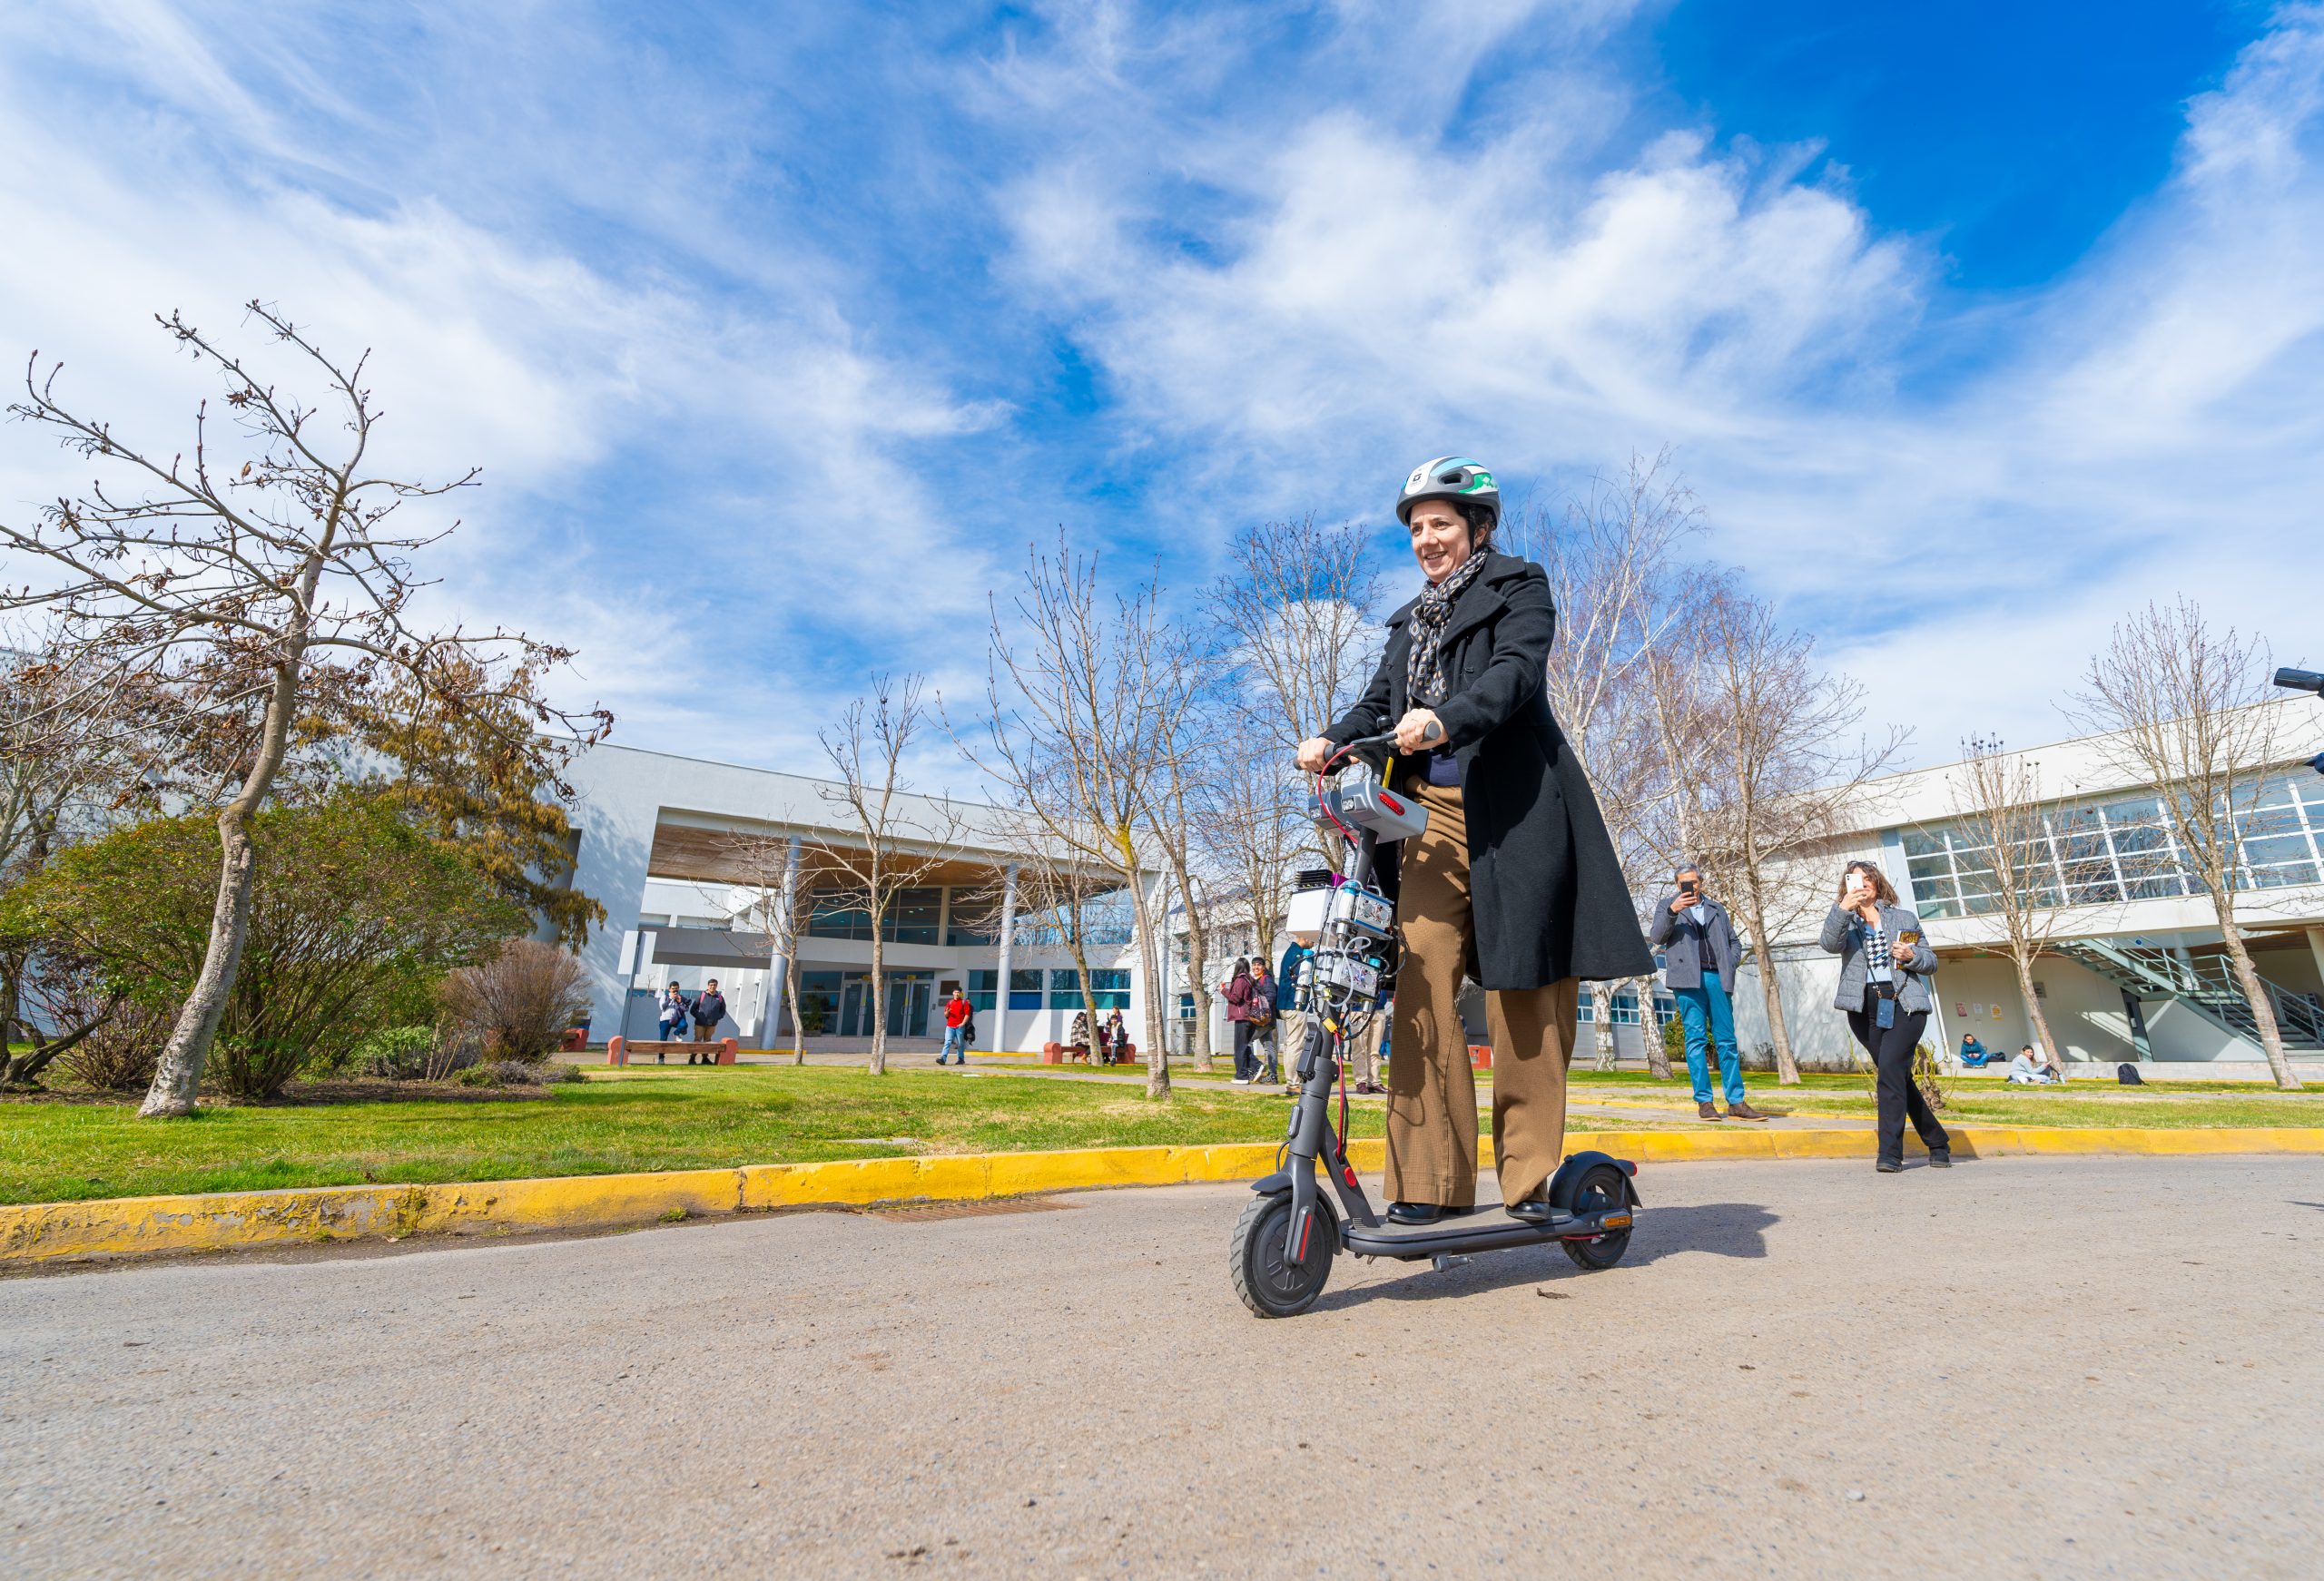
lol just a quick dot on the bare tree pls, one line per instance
(1180, 785)
(905, 837)
(1997, 804)
(2183, 707)
(770, 871)
(279, 584)
(1293, 618)
(1755, 735)
(1620, 591)
(1078, 695)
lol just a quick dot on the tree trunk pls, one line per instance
(798, 1021)
(1658, 1058)
(2255, 993)
(1601, 1015)
(1157, 1063)
(2033, 1011)
(1770, 985)
(879, 1066)
(1197, 970)
(177, 1079)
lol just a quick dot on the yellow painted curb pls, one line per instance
(138, 1226)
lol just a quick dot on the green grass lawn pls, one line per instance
(667, 1118)
(678, 1117)
(1991, 1102)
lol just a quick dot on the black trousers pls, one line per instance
(1892, 1056)
(1242, 1047)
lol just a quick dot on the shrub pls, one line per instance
(521, 999)
(555, 1072)
(501, 1073)
(121, 1055)
(353, 912)
(395, 1054)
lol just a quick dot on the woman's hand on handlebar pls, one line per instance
(1314, 752)
(1416, 731)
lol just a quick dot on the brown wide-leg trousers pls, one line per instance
(1431, 1089)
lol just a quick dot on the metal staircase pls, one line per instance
(2204, 983)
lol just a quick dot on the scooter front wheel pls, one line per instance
(1271, 1284)
(1604, 1187)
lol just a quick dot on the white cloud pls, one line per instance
(1378, 289)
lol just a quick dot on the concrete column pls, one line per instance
(2316, 947)
(1000, 986)
(778, 963)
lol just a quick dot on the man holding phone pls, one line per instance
(1700, 955)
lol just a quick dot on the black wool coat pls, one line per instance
(1548, 895)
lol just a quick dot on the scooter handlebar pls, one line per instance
(2300, 681)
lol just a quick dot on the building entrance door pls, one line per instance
(909, 996)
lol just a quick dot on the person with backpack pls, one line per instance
(709, 1010)
(1237, 992)
(957, 1016)
(1263, 1022)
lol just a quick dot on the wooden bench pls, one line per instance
(1078, 1053)
(619, 1050)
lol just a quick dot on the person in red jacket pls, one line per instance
(957, 1011)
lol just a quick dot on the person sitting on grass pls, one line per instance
(2030, 1069)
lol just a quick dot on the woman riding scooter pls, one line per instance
(1513, 882)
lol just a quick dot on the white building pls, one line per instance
(2138, 970)
(680, 851)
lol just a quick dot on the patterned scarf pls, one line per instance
(1425, 672)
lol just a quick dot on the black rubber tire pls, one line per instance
(1603, 1187)
(1269, 1286)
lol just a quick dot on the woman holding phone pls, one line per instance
(1885, 968)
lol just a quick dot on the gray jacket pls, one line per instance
(1675, 932)
(1842, 939)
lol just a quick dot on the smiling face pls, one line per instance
(1441, 539)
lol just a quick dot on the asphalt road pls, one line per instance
(2035, 1368)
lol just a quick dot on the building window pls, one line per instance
(975, 920)
(818, 1004)
(2098, 853)
(911, 916)
(1110, 989)
(981, 988)
(837, 914)
(1024, 990)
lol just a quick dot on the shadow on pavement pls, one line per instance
(1720, 1229)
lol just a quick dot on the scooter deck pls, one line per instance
(1490, 1235)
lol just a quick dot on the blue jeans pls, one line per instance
(956, 1041)
(1710, 1019)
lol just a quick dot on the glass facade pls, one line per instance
(1024, 989)
(2096, 854)
(982, 986)
(974, 919)
(911, 916)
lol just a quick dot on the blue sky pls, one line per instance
(780, 331)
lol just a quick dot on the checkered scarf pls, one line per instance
(1424, 671)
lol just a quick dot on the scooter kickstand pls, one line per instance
(1444, 1261)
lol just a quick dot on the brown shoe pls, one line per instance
(1743, 1112)
(1708, 1111)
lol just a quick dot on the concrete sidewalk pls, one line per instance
(1796, 1373)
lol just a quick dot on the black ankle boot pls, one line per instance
(1415, 1213)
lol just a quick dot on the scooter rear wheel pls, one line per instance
(1271, 1285)
(1602, 1188)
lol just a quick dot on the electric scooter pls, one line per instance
(1288, 1234)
